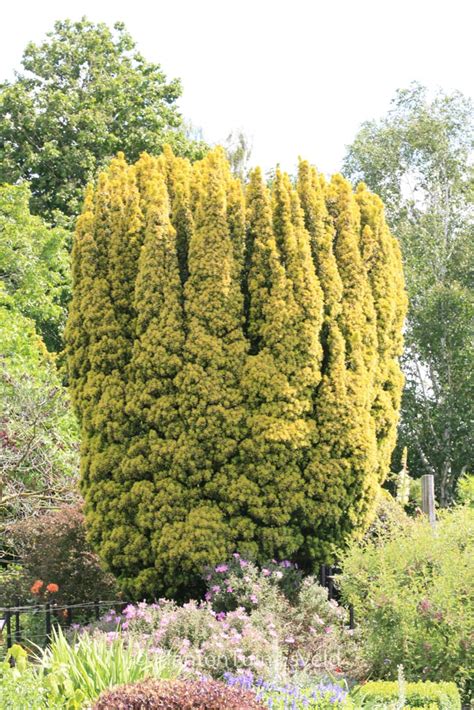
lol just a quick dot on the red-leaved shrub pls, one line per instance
(177, 695)
(58, 562)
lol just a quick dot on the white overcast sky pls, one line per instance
(297, 77)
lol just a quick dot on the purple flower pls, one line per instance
(129, 612)
(216, 589)
(221, 568)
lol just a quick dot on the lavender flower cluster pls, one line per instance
(290, 697)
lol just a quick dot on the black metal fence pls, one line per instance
(35, 623)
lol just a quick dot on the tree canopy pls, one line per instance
(34, 265)
(84, 93)
(419, 160)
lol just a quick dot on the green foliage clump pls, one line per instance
(233, 362)
(34, 265)
(21, 685)
(411, 587)
(466, 490)
(444, 696)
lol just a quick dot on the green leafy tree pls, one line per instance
(38, 434)
(84, 94)
(34, 265)
(225, 366)
(419, 160)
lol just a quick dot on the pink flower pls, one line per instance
(266, 572)
(424, 606)
(229, 590)
(129, 612)
(216, 589)
(328, 629)
(289, 639)
(244, 563)
(253, 599)
(221, 568)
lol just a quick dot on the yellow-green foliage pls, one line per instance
(234, 363)
(444, 696)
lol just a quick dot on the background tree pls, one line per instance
(34, 265)
(419, 160)
(38, 435)
(84, 94)
(224, 405)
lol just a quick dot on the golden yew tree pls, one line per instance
(233, 355)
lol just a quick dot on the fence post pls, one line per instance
(330, 583)
(48, 622)
(17, 622)
(8, 624)
(69, 616)
(428, 497)
(351, 617)
(322, 575)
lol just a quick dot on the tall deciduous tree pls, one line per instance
(84, 94)
(34, 264)
(224, 360)
(419, 160)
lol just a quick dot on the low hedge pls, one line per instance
(427, 694)
(177, 695)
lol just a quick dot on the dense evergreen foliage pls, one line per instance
(234, 364)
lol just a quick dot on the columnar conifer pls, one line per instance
(233, 357)
(382, 258)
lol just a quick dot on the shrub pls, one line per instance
(236, 380)
(53, 549)
(241, 583)
(178, 695)
(465, 490)
(207, 643)
(442, 696)
(274, 639)
(412, 593)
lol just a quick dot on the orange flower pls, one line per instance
(35, 589)
(52, 587)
